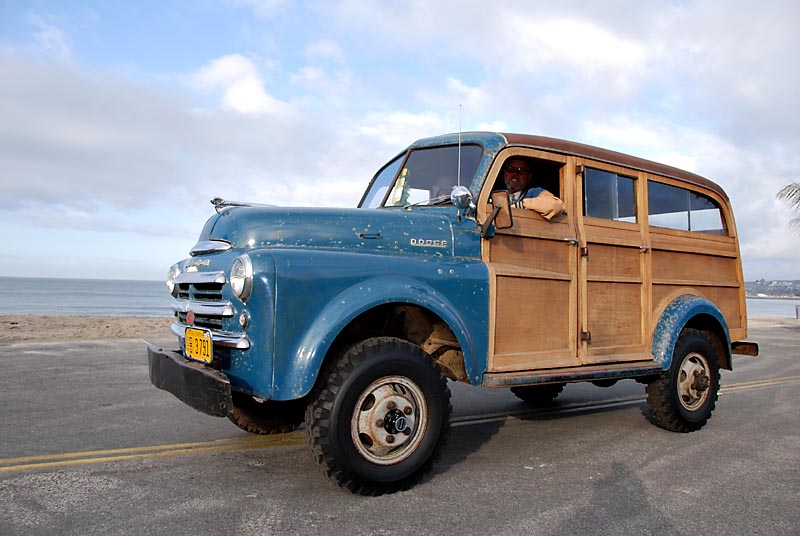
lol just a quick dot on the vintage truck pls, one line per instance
(353, 320)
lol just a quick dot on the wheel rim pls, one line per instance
(694, 381)
(389, 420)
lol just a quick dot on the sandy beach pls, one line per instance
(40, 328)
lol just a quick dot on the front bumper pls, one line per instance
(205, 389)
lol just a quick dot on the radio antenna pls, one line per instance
(459, 144)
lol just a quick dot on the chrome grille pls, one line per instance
(200, 291)
(201, 294)
(208, 322)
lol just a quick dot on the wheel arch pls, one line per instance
(413, 323)
(690, 311)
(413, 312)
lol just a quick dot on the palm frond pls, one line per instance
(791, 194)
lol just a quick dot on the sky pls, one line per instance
(120, 120)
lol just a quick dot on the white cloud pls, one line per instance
(572, 45)
(398, 128)
(88, 150)
(628, 135)
(705, 86)
(241, 85)
(326, 90)
(49, 40)
(264, 8)
(325, 49)
(457, 98)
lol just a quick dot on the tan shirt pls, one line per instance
(546, 204)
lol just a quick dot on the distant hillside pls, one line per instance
(772, 289)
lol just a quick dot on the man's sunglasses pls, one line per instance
(517, 170)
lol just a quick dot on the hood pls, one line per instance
(426, 231)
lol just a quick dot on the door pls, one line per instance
(613, 265)
(533, 274)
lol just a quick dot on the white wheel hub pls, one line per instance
(693, 381)
(389, 420)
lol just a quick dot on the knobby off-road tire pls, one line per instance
(379, 416)
(538, 395)
(683, 397)
(269, 417)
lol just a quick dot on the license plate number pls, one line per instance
(199, 345)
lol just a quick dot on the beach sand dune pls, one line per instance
(40, 328)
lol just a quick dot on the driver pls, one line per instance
(517, 177)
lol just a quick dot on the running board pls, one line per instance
(617, 371)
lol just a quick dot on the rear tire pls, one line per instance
(538, 395)
(268, 417)
(683, 398)
(378, 421)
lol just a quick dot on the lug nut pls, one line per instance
(379, 424)
(391, 405)
(407, 410)
(390, 439)
(407, 431)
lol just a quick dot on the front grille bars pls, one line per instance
(199, 295)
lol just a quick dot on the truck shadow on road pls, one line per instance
(470, 434)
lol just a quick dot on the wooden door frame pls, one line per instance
(566, 193)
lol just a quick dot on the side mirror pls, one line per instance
(501, 215)
(461, 197)
(502, 206)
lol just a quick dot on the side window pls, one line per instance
(678, 208)
(608, 195)
(704, 214)
(380, 185)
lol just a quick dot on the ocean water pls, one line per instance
(104, 297)
(771, 307)
(96, 297)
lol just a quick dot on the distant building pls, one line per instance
(762, 288)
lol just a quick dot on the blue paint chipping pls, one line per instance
(675, 317)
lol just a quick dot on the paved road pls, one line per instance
(90, 447)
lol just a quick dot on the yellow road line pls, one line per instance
(784, 379)
(68, 459)
(162, 454)
(68, 455)
(758, 384)
(157, 451)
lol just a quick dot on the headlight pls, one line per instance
(174, 272)
(242, 277)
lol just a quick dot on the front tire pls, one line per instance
(379, 419)
(268, 417)
(683, 398)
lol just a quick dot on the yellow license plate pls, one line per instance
(199, 345)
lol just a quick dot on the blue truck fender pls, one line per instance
(682, 311)
(299, 378)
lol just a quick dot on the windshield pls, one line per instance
(427, 176)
